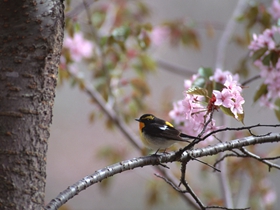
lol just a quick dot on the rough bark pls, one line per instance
(30, 45)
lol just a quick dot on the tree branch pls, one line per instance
(226, 36)
(126, 165)
(250, 80)
(174, 68)
(112, 115)
(252, 155)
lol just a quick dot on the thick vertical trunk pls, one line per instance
(30, 45)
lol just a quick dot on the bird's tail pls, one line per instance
(186, 137)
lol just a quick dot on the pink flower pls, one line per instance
(159, 35)
(264, 101)
(237, 106)
(188, 82)
(178, 112)
(266, 39)
(232, 85)
(270, 197)
(223, 98)
(274, 10)
(230, 96)
(221, 76)
(79, 47)
(189, 115)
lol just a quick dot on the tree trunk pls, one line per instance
(30, 46)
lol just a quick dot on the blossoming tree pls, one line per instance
(115, 46)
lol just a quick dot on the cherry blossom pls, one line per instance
(191, 113)
(274, 10)
(159, 35)
(237, 108)
(178, 112)
(221, 76)
(78, 47)
(268, 71)
(223, 98)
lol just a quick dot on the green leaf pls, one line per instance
(227, 111)
(266, 19)
(261, 91)
(144, 41)
(197, 91)
(205, 72)
(103, 40)
(274, 58)
(98, 19)
(259, 53)
(91, 117)
(266, 59)
(251, 16)
(147, 26)
(242, 68)
(277, 110)
(147, 62)
(140, 85)
(240, 117)
(199, 82)
(121, 33)
(209, 87)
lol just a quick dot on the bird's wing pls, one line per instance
(163, 131)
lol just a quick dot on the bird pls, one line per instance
(159, 134)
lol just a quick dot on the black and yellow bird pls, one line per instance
(159, 134)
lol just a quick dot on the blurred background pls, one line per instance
(75, 142)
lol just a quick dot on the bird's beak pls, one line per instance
(137, 120)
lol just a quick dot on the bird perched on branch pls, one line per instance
(159, 134)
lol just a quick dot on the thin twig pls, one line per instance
(185, 197)
(224, 157)
(79, 9)
(252, 155)
(221, 207)
(170, 183)
(175, 68)
(188, 188)
(239, 129)
(250, 80)
(213, 167)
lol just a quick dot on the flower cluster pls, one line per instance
(159, 34)
(274, 10)
(192, 113)
(78, 47)
(264, 40)
(230, 96)
(189, 114)
(269, 63)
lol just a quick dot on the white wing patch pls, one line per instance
(165, 127)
